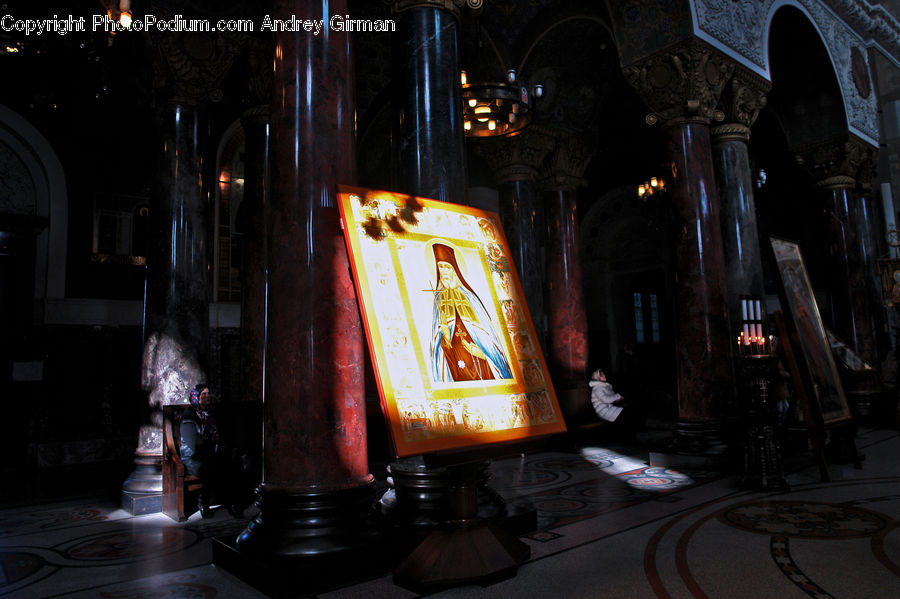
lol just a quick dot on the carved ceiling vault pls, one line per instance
(740, 28)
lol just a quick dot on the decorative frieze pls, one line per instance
(847, 28)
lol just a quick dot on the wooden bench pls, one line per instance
(180, 489)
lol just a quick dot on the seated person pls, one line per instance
(222, 471)
(611, 406)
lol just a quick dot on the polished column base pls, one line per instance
(293, 524)
(142, 490)
(705, 444)
(306, 575)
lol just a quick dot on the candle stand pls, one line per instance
(762, 453)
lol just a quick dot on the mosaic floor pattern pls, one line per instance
(609, 525)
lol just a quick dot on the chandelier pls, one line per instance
(648, 188)
(499, 108)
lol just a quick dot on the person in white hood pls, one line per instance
(607, 403)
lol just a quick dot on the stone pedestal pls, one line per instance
(142, 491)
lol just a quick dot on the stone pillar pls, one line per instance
(514, 162)
(836, 165)
(430, 142)
(255, 122)
(567, 345)
(316, 493)
(253, 267)
(742, 99)
(177, 308)
(682, 85)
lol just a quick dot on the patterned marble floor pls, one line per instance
(609, 526)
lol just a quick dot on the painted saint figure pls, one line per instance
(464, 345)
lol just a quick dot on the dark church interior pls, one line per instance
(696, 197)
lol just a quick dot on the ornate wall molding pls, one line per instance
(683, 81)
(740, 28)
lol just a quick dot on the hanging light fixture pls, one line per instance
(648, 188)
(497, 108)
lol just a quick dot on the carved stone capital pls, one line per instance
(836, 182)
(259, 71)
(682, 82)
(190, 68)
(517, 157)
(566, 164)
(260, 113)
(455, 7)
(729, 132)
(845, 156)
(743, 97)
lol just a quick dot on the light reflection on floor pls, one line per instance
(635, 471)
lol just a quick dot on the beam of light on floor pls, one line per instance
(636, 472)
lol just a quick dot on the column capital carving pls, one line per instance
(518, 157)
(566, 164)
(681, 83)
(260, 74)
(743, 97)
(261, 113)
(834, 160)
(730, 131)
(455, 7)
(190, 68)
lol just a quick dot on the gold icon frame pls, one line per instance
(391, 239)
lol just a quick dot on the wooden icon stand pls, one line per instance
(466, 550)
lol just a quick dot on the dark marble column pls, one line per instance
(740, 236)
(567, 335)
(567, 319)
(514, 162)
(706, 392)
(253, 268)
(682, 86)
(317, 492)
(849, 273)
(430, 141)
(177, 310)
(522, 216)
(838, 164)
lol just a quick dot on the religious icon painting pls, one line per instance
(453, 346)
